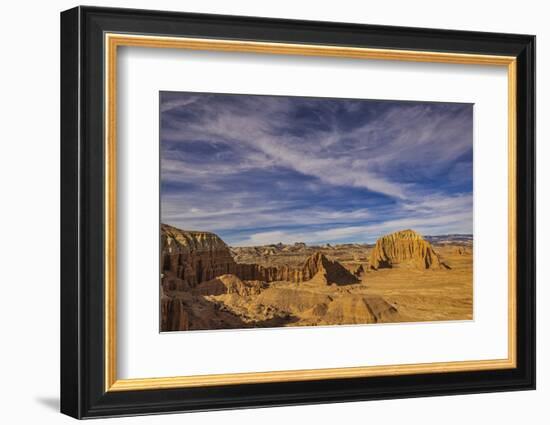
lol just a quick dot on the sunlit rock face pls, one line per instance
(188, 257)
(405, 248)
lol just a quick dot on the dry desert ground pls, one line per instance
(404, 277)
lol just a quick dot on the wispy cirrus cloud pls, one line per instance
(432, 217)
(263, 167)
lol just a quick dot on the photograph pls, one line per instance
(280, 211)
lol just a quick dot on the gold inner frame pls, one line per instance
(113, 41)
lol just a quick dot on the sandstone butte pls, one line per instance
(405, 248)
(190, 257)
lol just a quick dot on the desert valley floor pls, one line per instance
(404, 277)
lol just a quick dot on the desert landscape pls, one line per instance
(282, 211)
(404, 277)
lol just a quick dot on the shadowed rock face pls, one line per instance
(406, 248)
(189, 258)
(320, 269)
(173, 316)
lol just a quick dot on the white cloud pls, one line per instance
(444, 216)
(397, 154)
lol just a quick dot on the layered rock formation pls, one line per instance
(207, 285)
(269, 273)
(405, 248)
(360, 309)
(229, 284)
(189, 258)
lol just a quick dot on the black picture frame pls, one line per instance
(83, 392)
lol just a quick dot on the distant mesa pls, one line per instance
(404, 248)
(451, 239)
(190, 240)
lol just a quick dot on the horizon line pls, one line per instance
(363, 242)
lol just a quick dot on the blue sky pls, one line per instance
(266, 169)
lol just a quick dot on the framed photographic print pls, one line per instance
(261, 212)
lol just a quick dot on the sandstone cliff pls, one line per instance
(405, 248)
(189, 258)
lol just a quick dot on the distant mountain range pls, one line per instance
(456, 239)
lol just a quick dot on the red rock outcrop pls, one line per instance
(405, 248)
(189, 257)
